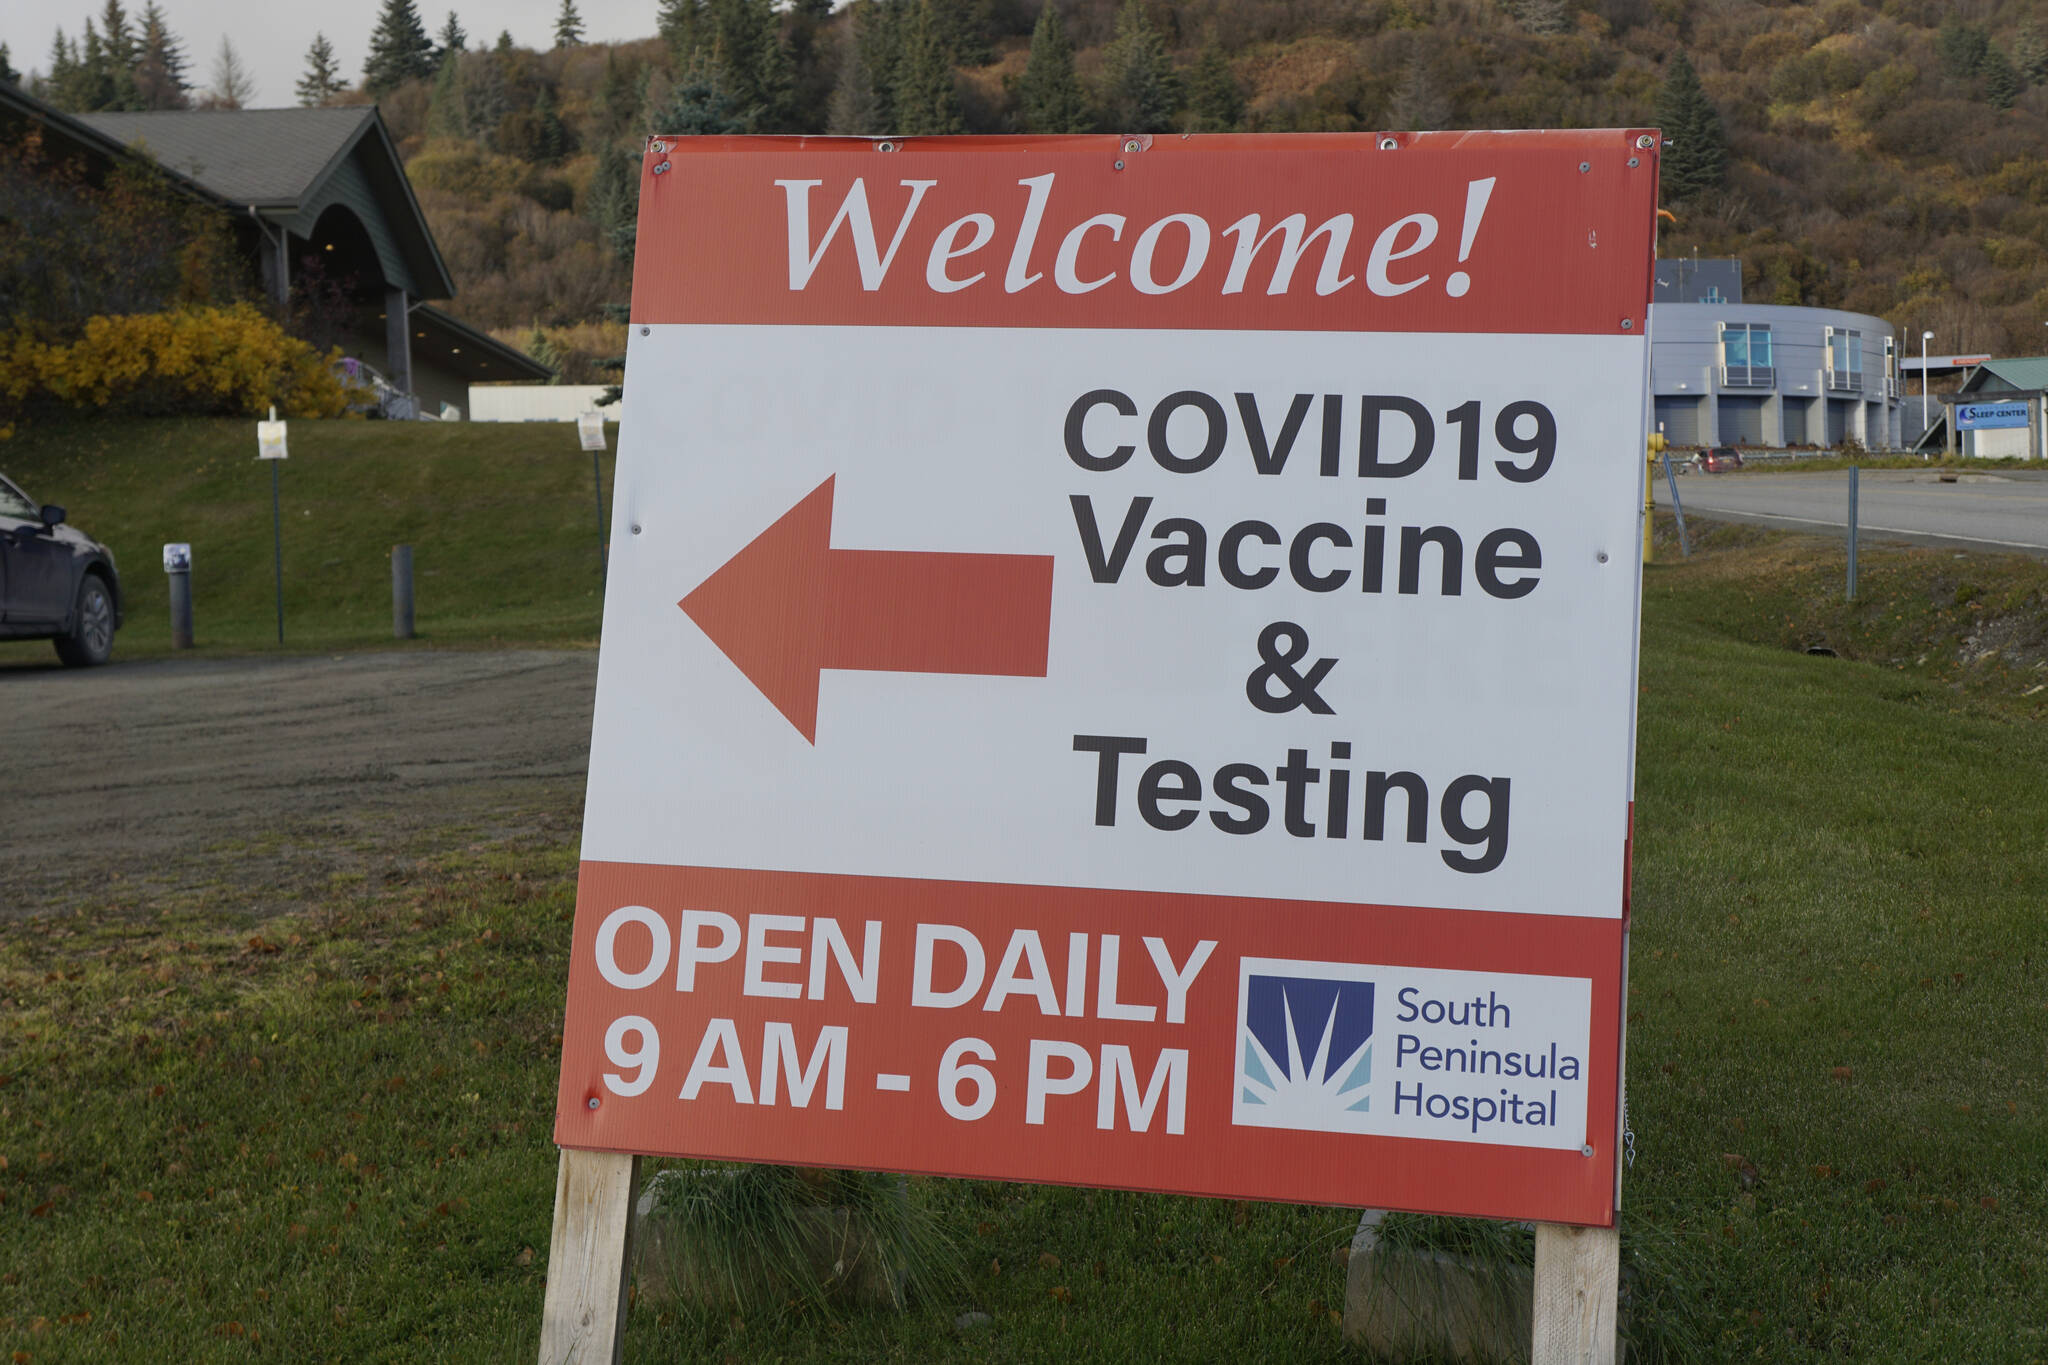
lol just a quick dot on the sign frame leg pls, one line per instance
(590, 1258)
(1578, 1281)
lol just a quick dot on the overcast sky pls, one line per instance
(272, 35)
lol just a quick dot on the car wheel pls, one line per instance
(92, 626)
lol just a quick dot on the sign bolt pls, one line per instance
(1585, 166)
(1586, 1150)
(1645, 142)
(1388, 144)
(594, 1103)
(1133, 145)
(1119, 165)
(1628, 324)
(643, 331)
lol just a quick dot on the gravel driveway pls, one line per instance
(138, 781)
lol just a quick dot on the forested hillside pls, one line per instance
(1890, 158)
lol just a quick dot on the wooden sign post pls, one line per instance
(1122, 673)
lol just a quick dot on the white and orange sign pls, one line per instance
(1119, 665)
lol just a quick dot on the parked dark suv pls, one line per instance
(56, 582)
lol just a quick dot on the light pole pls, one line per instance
(1925, 337)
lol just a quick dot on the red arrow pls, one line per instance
(789, 605)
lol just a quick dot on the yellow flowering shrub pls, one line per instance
(226, 362)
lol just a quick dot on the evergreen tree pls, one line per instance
(965, 28)
(2002, 84)
(617, 102)
(2030, 54)
(613, 200)
(121, 50)
(1697, 159)
(1141, 92)
(453, 39)
(1215, 100)
(232, 86)
(504, 47)
(878, 26)
(322, 80)
(160, 81)
(56, 87)
(852, 112)
(94, 86)
(8, 75)
(1962, 47)
(753, 66)
(551, 137)
(682, 25)
(1049, 98)
(926, 103)
(448, 111)
(568, 26)
(700, 106)
(400, 49)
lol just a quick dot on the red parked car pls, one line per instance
(1719, 460)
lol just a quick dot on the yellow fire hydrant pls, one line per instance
(1656, 447)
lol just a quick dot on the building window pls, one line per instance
(1746, 355)
(1845, 359)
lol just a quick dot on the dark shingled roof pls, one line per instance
(265, 157)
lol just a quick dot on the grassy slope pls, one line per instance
(339, 1149)
(501, 517)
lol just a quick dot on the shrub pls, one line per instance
(220, 362)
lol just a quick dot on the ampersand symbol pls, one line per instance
(1283, 645)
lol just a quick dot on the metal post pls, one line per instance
(1852, 533)
(1677, 507)
(277, 548)
(597, 481)
(401, 592)
(181, 608)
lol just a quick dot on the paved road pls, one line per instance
(138, 781)
(1993, 512)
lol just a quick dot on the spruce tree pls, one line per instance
(2002, 84)
(681, 24)
(1697, 159)
(617, 101)
(453, 39)
(8, 75)
(613, 200)
(878, 27)
(232, 86)
(121, 49)
(568, 26)
(400, 49)
(160, 81)
(926, 103)
(700, 106)
(322, 80)
(1049, 98)
(551, 137)
(94, 82)
(1141, 91)
(1215, 100)
(852, 112)
(448, 111)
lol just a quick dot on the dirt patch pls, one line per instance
(145, 781)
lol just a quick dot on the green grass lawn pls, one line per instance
(228, 1133)
(501, 516)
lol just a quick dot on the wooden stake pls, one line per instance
(590, 1257)
(1578, 1274)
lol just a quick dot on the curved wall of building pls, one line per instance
(1762, 374)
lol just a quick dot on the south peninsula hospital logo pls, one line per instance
(1304, 1046)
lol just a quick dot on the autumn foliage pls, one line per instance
(223, 362)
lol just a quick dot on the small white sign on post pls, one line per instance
(177, 559)
(270, 441)
(590, 430)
